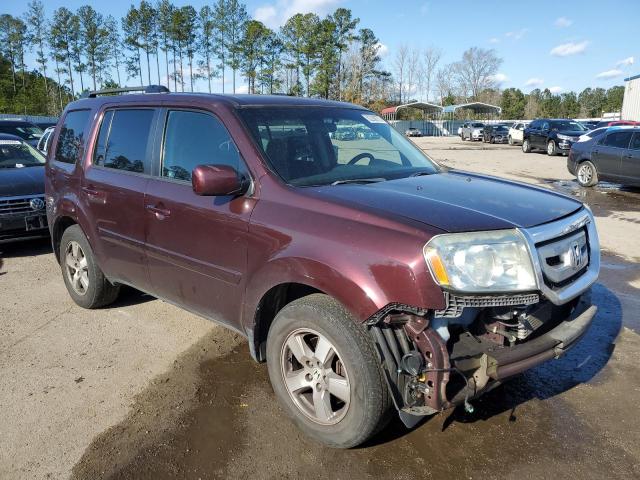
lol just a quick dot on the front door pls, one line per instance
(630, 163)
(197, 245)
(113, 190)
(607, 153)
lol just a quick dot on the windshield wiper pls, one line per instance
(420, 174)
(358, 180)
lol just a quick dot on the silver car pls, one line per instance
(473, 131)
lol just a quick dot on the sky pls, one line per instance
(560, 45)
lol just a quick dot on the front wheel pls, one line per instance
(510, 140)
(324, 370)
(551, 148)
(587, 174)
(526, 146)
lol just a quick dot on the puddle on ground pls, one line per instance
(234, 428)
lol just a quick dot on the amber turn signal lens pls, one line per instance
(437, 267)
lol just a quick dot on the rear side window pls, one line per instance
(123, 140)
(618, 139)
(192, 139)
(71, 136)
(635, 143)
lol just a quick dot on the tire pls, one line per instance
(492, 140)
(89, 288)
(462, 137)
(526, 146)
(341, 423)
(587, 174)
(510, 140)
(551, 148)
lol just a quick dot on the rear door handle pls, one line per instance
(160, 213)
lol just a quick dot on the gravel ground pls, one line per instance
(145, 390)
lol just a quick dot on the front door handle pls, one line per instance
(94, 194)
(159, 212)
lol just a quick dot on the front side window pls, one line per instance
(16, 154)
(618, 139)
(192, 139)
(71, 137)
(123, 140)
(321, 146)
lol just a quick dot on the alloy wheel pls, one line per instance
(76, 268)
(315, 377)
(585, 174)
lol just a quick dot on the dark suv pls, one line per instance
(495, 133)
(553, 136)
(365, 275)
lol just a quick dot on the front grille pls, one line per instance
(564, 258)
(18, 205)
(457, 303)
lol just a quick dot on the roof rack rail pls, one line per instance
(116, 91)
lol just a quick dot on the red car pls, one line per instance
(615, 123)
(366, 276)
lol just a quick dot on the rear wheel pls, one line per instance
(587, 174)
(324, 370)
(551, 148)
(526, 146)
(85, 282)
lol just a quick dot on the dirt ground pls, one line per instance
(145, 390)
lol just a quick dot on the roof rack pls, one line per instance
(116, 91)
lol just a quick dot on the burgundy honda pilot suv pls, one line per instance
(368, 277)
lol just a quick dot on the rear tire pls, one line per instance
(526, 146)
(587, 175)
(319, 349)
(85, 282)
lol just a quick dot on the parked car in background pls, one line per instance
(495, 133)
(27, 131)
(22, 207)
(45, 124)
(462, 127)
(473, 131)
(616, 123)
(555, 136)
(45, 140)
(344, 134)
(366, 276)
(613, 156)
(516, 132)
(413, 132)
(590, 125)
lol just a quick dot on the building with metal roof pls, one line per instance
(428, 110)
(479, 108)
(631, 99)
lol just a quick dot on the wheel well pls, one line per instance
(271, 303)
(60, 226)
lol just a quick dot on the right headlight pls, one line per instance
(481, 262)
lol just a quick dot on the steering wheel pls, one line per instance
(359, 157)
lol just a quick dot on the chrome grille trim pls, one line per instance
(17, 205)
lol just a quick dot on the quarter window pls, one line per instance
(192, 139)
(123, 140)
(618, 139)
(71, 137)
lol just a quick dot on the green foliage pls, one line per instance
(513, 103)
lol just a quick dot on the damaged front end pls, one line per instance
(436, 359)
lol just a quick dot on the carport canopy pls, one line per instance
(475, 107)
(390, 113)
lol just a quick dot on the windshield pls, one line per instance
(15, 154)
(503, 128)
(26, 132)
(568, 125)
(323, 146)
(477, 125)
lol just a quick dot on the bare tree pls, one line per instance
(400, 65)
(475, 72)
(413, 73)
(430, 59)
(443, 82)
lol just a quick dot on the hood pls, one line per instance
(571, 133)
(15, 182)
(456, 201)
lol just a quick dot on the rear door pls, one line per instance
(533, 132)
(113, 191)
(197, 245)
(630, 162)
(607, 153)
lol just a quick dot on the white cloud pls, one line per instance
(534, 82)
(383, 50)
(517, 34)
(570, 48)
(615, 72)
(499, 77)
(563, 22)
(625, 62)
(555, 89)
(494, 40)
(242, 89)
(275, 14)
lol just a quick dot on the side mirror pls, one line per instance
(214, 180)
